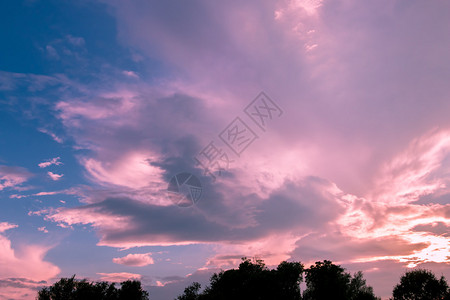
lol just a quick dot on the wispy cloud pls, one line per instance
(13, 177)
(53, 135)
(119, 277)
(130, 74)
(51, 52)
(6, 226)
(74, 40)
(54, 161)
(43, 229)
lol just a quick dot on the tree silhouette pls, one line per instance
(73, 289)
(421, 285)
(252, 280)
(191, 292)
(288, 277)
(358, 289)
(325, 281)
(132, 290)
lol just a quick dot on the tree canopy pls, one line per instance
(421, 285)
(325, 280)
(74, 289)
(253, 280)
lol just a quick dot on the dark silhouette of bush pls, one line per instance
(421, 285)
(74, 289)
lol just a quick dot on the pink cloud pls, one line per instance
(15, 196)
(130, 74)
(360, 108)
(55, 176)
(417, 171)
(119, 277)
(135, 260)
(107, 105)
(125, 222)
(29, 263)
(13, 177)
(131, 170)
(54, 161)
(43, 229)
(23, 270)
(19, 288)
(5, 226)
(53, 135)
(71, 191)
(273, 249)
(46, 193)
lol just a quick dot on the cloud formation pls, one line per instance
(135, 260)
(54, 161)
(54, 176)
(119, 277)
(356, 169)
(13, 177)
(23, 270)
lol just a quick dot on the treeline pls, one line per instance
(252, 280)
(324, 281)
(75, 289)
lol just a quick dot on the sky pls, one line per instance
(164, 140)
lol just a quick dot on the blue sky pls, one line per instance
(103, 102)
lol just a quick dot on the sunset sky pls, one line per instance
(103, 102)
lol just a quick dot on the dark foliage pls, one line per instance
(421, 285)
(191, 292)
(325, 281)
(73, 289)
(252, 280)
